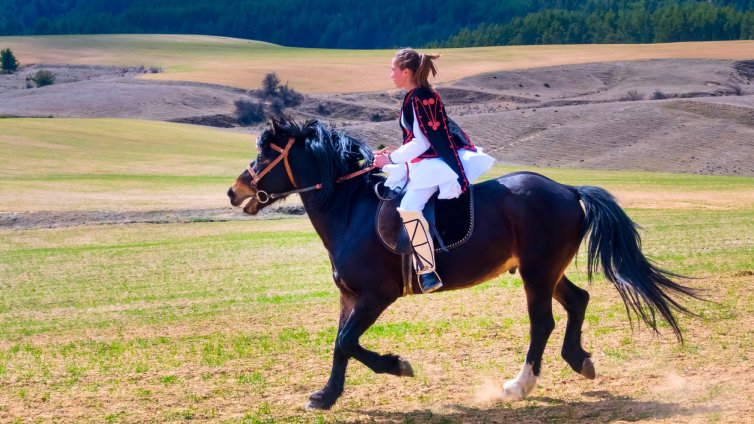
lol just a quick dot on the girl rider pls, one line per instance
(438, 152)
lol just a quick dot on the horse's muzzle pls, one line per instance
(239, 193)
(232, 197)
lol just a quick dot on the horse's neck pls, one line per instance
(334, 220)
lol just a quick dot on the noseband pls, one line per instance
(264, 197)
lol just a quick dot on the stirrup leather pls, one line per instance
(421, 242)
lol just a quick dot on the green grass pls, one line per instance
(236, 321)
(113, 149)
(113, 164)
(148, 308)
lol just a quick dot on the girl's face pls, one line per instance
(401, 77)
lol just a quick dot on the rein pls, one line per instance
(264, 197)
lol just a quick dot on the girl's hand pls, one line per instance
(381, 160)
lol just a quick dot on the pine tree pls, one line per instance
(10, 64)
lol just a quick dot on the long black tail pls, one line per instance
(615, 243)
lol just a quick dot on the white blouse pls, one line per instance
(432, 172)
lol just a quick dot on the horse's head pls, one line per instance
(270, 176)
(292, 159)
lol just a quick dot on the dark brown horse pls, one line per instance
(522, 220)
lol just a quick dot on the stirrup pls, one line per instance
(430, 282)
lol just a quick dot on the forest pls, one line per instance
(392, 23)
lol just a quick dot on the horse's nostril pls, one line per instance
(231, 193)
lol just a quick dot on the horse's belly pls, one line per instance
(462, 277)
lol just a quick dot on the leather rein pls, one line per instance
(264, 197)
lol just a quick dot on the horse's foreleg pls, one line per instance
(326, 397)
(365, 313)
(574, 299)
(539, 302)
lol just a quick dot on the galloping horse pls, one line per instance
(522, 220)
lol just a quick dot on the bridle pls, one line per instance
(264, 197)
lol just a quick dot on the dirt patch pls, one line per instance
(345, 110)
(106, 91)
(47, 219)
(736, 114)
(711, 200)
(745, 68)
(219, 121)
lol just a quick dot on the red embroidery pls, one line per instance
(430, 110)
(430, 153)
(465, 181)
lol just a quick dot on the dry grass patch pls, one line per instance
(665, 199)
(245, 62)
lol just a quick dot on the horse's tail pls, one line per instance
(615, 243)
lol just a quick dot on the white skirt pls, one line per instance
(435, 172)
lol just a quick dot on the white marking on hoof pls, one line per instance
(521, 386)
(311, 406)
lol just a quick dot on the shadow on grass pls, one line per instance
(605, 408)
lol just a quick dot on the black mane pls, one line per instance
(336, 153)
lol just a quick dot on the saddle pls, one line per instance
(451, 223)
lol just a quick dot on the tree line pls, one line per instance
(391, 23)
(699, 21)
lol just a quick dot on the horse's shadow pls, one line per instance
(606, 408)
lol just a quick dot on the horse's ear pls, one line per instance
(310, 129)
(275, 125)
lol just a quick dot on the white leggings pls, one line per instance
(414, 200)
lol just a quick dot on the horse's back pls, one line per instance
(532, 201)
(526, 182)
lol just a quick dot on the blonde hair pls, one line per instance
(420, 64)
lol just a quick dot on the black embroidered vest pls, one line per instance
(444, 135)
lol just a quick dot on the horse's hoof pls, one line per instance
(587, 369)
(405, 369)
(512, 391)
(318, 405)
(320, 400)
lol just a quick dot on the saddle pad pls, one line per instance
(453, 218)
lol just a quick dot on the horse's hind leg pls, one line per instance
(574, 299)
(539, 288)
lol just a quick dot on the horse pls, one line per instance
(523, 220)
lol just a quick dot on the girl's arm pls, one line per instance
(411, 150)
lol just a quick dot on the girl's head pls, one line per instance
(411, 69)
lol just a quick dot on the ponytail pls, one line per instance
(426, 65)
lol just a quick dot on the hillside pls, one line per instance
(600, 116)
(243, 63)
(595, 115)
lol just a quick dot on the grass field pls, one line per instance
(243, 63)
(235, 321)
(115, 164)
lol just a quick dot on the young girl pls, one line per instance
(439, 153)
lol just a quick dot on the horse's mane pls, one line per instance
(336, 153)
